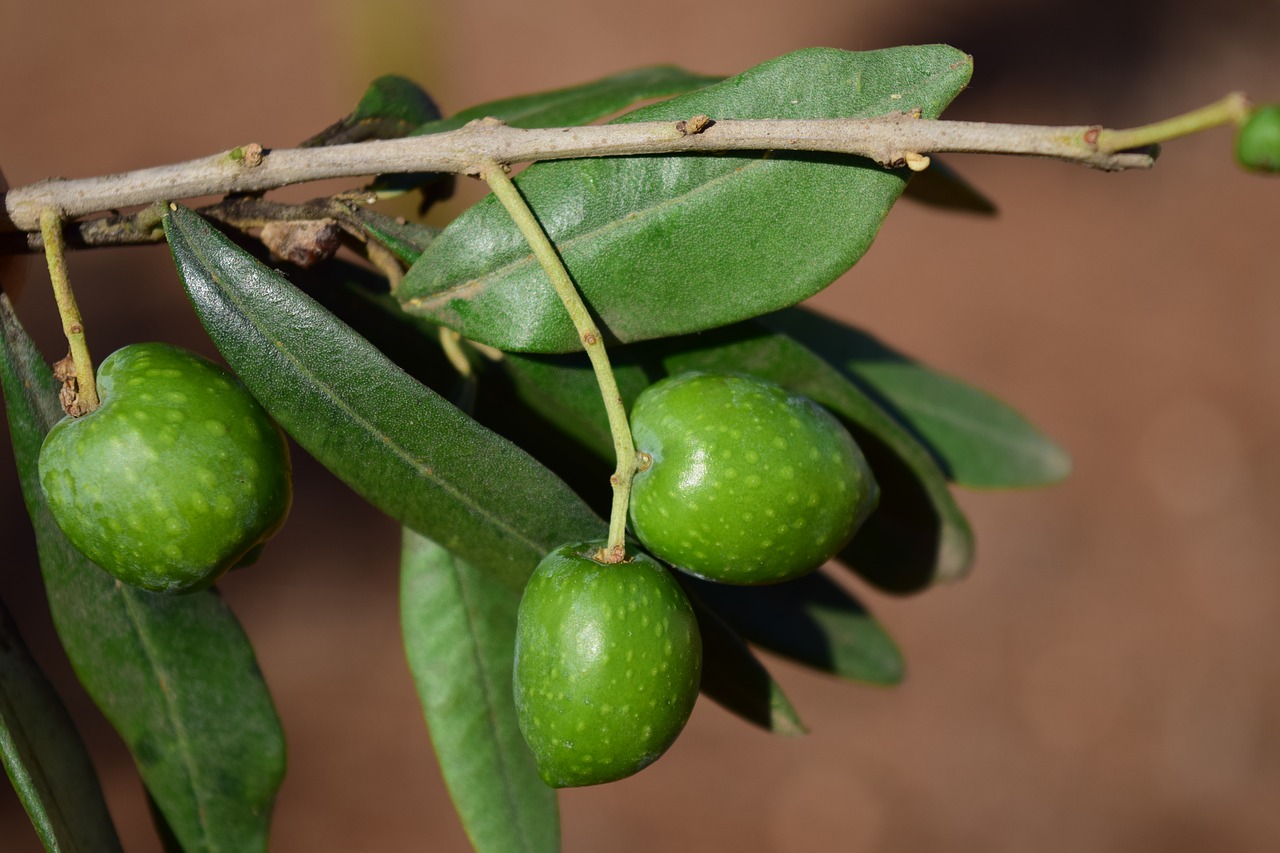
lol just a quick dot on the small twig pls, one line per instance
(592, 341)
(84, 396)
(892, 141)
(1230, 110)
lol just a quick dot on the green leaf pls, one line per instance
(812, 621)
(403, 447)
(406, 240)
(943, 187)
(734, 678)
(580, 104)
(175, 675)
(459, 635)
(916, 536)
(977, 440)
(663, 245)
(390, 108)
(44, 756)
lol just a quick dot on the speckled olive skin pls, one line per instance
(748, 484)
(608, 661)
(1258, 140)
(176, 477)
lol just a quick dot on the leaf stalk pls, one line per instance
(495, 175)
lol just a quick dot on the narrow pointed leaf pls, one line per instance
(663, 245)
(812, 621)
(734, 678)
(392, 107)
(580, 104)
(916, 536)
(459, 636)
(44, 756)
(406, 240)
(977, 440)
(175, 675)
(402, 446)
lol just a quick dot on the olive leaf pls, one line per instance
(44, 756)
(663, 245)
(813, 621)
(403, 447)
(459, 636)
(977, 440)
(582, 103)
(164, 670)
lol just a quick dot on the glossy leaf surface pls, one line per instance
(392, 107)
(976, 439)
(664, 245)
(813, 621)
(917, 535)
(44, 756)
(403, 447)
(175, 675)
(406, 240)
(459, 635)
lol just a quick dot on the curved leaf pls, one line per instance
(406, 240)
(44, 756)
(459, 636)
(734, 678)
(976, 439)
(403, 447)
(663, 245)
(916, 536)
(175, 675)
(812, 621)
(392, 107)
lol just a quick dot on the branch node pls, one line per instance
(694, 126)
(249, 156)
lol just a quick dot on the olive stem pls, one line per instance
(55, 252)
(1231, 109)
(899, 139)
(495, 174)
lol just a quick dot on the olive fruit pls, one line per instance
(1258, 140)
(745, 482)
(608, 660)
(176, 477)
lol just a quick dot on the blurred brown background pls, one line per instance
(1106, 679)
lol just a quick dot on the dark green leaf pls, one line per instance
(664, 245)
(175, 675)
(734, 678)
(976, 439)
(459, 635)
(813, 621)
(916, 536)
(404, 448)
(406, 240)
(45, 757)
(580, 104)
(390, 108)
(941, 186)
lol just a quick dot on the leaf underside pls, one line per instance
(459, 636)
